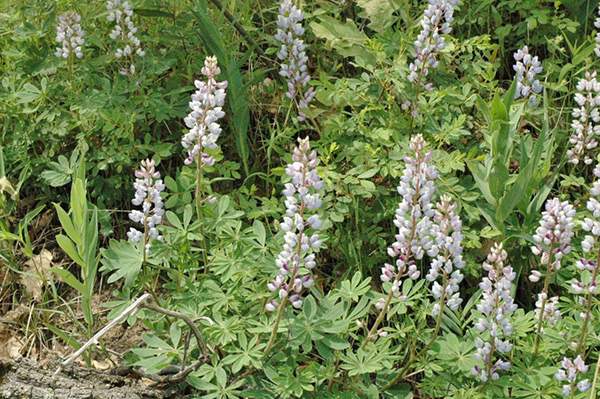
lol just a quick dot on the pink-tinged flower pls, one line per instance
(570, 372)
(436, 22)
(496, 306)
(207, 108)
(70, 35)
(301, 224)
(120, 12)
(148, 187)
(293, 56)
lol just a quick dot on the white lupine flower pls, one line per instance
(570, 372)
(526, 68)
(496, 305)
(293, 56)
(436, 22)
(551, 309)
(414, 215)
(120, 12)
(148, 187)
(555, 231)
(586, 118)
(597, 39)
(207, 108)
(447, 237)
(70, 35)
(301, 237)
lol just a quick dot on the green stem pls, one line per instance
(199, 170)
(434, 336)
(544, 300)
(590, 298)
(292, 274)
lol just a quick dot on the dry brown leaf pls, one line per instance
(36, 274)
(11, 348)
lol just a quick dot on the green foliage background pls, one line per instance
(499, 159)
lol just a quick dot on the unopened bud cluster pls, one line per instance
(70, 35)
(293, 56)
(586, 119)
(496, 306)
(148, 187)
(526, 68)
(569, 373)
(436, 22)
(301, 225)
(207, 108)
(447, 235)
(124, 32)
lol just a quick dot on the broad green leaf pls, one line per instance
(67, 224)
(124, 259)
(69, 278)
(67, 245)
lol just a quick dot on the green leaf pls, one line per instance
(381, 13)
(69, 278)
(124, 259)
(67, 224)
(67, 245)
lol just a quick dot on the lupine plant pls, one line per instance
(553, 239)
(432, 234)
(586, 118)
(293, 57)
(124, 33)
(300, 225)
(526, 68)
(69, 35)
(496, 307)
(201, 138)
(148, 187)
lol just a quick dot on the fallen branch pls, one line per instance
(94, 340)
(146, 301)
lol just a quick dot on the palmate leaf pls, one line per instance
(124, 259)
(361, 362)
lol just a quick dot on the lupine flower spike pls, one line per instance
(148, 187)
(301, 224)
(69, 35)
(124, 33)
(207, 108)
(555, 233)
(586, 118)
(526, 68)
(436, 22)
(447, 234)
(597, 39)
(496, 306)
(590, 242)
(293, 56)
(414, 222)
(569, 373)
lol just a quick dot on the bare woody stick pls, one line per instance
(94, 340)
